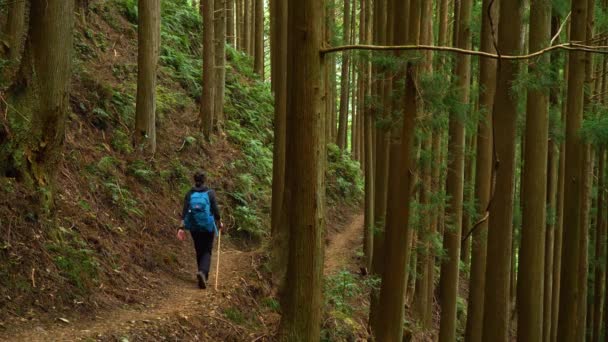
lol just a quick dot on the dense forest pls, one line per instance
(386, 170)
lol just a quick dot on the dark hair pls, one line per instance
(199, 178)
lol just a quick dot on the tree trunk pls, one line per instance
(279, 229)
(380, 163)
(207, 100)
(448, 284)
(468, 199)
(259, 38)
(600, 249)
(41, 91)
(368, 235)
(305, 173)
(532, 251)
(230, 29)
(240, 30)
(497, 291)
(570, 300)
(148, 36)
(15, 28)
(344, 81)
(220, 62)
(247, 26)
(398, 237)
(483, 176)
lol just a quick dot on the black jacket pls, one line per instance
(212, 200)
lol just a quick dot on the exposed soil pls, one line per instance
(180, 311)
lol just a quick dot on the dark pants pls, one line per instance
(203, 243)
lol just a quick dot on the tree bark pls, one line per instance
(570, 294)
(41, 90)
(344, 81)
(448, 283)
(148, 36)
(230, 27)
(483, 176)
(15, 28)
(368, 235)
(279, 229)
(398, 236)
(240, 30)
(247, 26)
(220, 62)
(530, 287)
(305, 173)
(258, 62)
(208, 99)
(497, 289)
(600, 249)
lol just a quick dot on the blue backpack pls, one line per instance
(199, 216)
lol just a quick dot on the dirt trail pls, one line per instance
(180, 300)
(343, 245)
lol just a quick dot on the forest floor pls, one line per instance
(181, 311)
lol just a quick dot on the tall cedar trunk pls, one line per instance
(279, 229)
(587, 184)
(240, 30)
(497, 292)
(394, 276)
(465, 253)
(328, 74)
(148, 36)
(258, 62)
(600, 249)
(483, 176)
(15, 27)
(368, 235)
(570, 300)
(423, 299)
(230, 28)
(331, 60)
(530, 287)
(305, 173)
(344, 81)
(448, 284)
(557, 250)
(247, 26)
(220, 61)
(552, 190)
(41, 89)
(353, 82)
(381, 161)
(207, 100)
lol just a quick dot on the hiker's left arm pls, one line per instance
(214, 207)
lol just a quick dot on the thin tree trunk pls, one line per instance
(258, 63)
(220, 61)
(344, 82)
(301, 307)
(207, 100)
(279, 230)
(600, 249)
(230, 28)
(247, 26)
(148, 36)
(448, 283)
(497, 292)
(483, 175)
(397, 252)
(468, 199)
(570, 294)
(240, 30)
(532, 251)
(368, 235)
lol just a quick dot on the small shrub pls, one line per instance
(75, 261)
(344, 179)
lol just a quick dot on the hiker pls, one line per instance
(201, 217)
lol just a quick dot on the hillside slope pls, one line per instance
(112, 240)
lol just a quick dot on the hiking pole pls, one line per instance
(217, 267)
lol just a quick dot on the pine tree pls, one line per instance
(344, 81)
(258, 63)
(207, 112)
(219, 31)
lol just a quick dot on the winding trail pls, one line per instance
(179, 300)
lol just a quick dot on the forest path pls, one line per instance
(343, 245)
(181, 299)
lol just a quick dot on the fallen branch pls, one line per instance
(566, 46)
(475, 226)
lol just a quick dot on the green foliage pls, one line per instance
(235, 315)
(141, 171)
(75, 261)
(344, 179)
(122, 199)
(121, 142)
(595, 126)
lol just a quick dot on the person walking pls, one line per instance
(201, 216)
